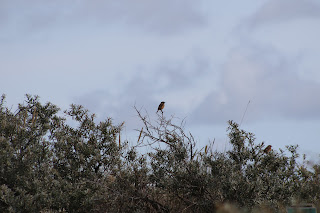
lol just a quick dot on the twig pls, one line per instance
(244, 113)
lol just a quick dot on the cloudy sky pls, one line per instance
(207, 59)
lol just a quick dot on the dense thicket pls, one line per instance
(55, 162)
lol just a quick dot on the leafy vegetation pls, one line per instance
(66, 162)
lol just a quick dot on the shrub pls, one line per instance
(67, 162)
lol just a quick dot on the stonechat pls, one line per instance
(267, 149)
(161, 106)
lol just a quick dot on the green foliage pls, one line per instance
(67, 162)
(47, 164)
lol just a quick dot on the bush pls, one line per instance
(54, 162)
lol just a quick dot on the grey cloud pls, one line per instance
(267, 79)
(168, 76)
(167, 16)
(144, 89)
(184, 73)
(120, 105)
(105, 104)
(162, 16)
(275, 11)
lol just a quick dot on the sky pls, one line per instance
(252, 61)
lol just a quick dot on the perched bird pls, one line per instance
(161, 106)
(267, 149)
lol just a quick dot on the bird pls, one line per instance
(267, 149)
(161, 106)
